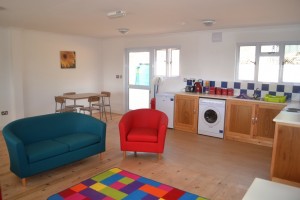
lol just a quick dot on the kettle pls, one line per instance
(198, 87)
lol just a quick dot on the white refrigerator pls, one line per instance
(165, 103)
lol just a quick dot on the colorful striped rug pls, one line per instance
(120, 184)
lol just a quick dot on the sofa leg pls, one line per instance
(135, 154)
(23, 180)
(159, 156)
(124, 154)
(101, 156)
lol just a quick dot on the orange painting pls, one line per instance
(67, 59)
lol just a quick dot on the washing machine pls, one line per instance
(211, 117)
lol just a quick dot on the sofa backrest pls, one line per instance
(37, 128)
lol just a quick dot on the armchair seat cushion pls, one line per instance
(142, 135)
(78, 140)
(43, 150)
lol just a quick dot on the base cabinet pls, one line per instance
(186, 113)
(285, 166)
(251, 122)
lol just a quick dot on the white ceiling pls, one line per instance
(144, 17)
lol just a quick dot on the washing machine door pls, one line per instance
(211, 117)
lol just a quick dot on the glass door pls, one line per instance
(138, 76)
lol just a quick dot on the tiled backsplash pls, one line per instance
(291, 91)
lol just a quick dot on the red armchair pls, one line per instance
(143, 130)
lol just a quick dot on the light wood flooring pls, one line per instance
(214, 168)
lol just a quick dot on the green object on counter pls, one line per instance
(276, 99)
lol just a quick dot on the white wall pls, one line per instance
(6, 88)
(200, 57)
(43, 77)
(32, 75)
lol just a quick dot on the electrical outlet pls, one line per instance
(117, 76)
(4, 112)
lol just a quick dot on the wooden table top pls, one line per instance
(82, 95)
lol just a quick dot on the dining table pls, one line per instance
(79, 96)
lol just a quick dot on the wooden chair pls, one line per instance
(105, 102)
(60, 105)
(92, 100)
(74, 101)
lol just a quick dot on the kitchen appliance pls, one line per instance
(198, 87)
(189, 88)
(211, 117)
(165, 103)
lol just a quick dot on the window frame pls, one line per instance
(259, 54)
(168, 65)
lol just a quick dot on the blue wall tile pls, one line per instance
(224, 84)
(265, 87)
(280, 88)
(237, 85)
(243, 91)
(250, 86)
(296, 89)
(272, 93)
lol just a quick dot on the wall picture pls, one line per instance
(67, 59)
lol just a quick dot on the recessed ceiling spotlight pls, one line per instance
(116, 14)
(123, 30)
(208, 22)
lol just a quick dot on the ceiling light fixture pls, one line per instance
(123, 30)
(116, 14)
(208, 22)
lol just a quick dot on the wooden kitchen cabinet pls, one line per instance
(186, 113)
(285, 166)
(251, 122)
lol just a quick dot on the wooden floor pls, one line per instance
(214, 168)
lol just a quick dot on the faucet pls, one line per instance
(255, 94)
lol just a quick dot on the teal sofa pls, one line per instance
(40, 143)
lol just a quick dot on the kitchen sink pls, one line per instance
(293, 110)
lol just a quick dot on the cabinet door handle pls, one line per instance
(255, 119)
(252, 120)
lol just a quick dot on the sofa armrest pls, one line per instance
(17, 154)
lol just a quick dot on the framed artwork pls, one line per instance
(67, 59)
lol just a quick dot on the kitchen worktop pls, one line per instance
(286, 117)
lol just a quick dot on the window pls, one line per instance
(277, 63)
(167, 62)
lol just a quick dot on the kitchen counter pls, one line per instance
(214, 96)
(292, 118)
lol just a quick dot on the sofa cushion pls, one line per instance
(148, 135)
(44, 149)
(78, 140)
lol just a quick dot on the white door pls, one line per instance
(138, 79)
